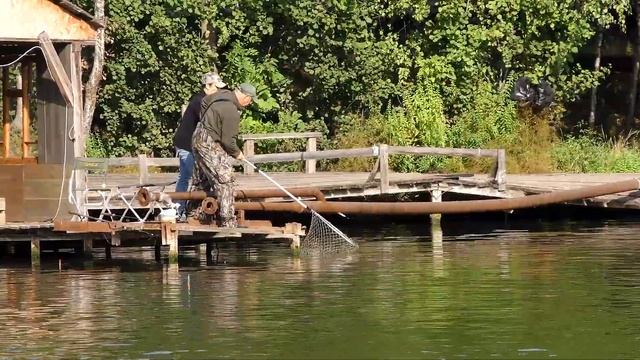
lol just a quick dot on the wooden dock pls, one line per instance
(336, 185)
(99, 186)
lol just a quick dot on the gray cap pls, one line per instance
(213, 78)
(248, 90)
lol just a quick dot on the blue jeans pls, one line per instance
(186, 172)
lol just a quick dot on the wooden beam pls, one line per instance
(6, 120)
(310, 165)
(55, 67)
(272, 136)
(76, 91)
(143, 169)
(415, 150)
(316, 155)
(13, 93)
(26, 109)
(248, 148)
(384, 168)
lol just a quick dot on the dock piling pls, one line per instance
(35, 252)
(107, 250)
(87, 248)
(169, 235)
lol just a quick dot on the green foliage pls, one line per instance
(590, 153)
(96, 147)
(421, 122)
(491, 117)
(403, 66)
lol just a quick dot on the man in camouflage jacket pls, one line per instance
(215, 146)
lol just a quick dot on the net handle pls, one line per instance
(335, 229)
(276, 184)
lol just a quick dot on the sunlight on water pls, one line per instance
(554, 291)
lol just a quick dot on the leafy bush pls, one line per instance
(589, 153)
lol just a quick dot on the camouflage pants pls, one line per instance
(213, 170)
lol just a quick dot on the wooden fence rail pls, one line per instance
(250, 141)
(381, 152)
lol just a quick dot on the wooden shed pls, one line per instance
(41, 110)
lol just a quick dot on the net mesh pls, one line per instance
(324, 238)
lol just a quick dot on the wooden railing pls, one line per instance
(250, 141)
(381, 152)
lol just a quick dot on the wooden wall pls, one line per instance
(52, 109)
(25, 19)
(32, 192)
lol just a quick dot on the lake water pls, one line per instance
(543, 290)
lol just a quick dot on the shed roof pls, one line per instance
(78, 11)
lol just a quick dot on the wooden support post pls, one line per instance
(115, 239)
(35, 251)
(310, 165)
(436, 196)
(169, 235)
(248, 148)
(436, 236)
(26, 110)
(294, 231)
(56, 68)
(201, 248)
(107, 250)
(501, 170)
(157, 251)
(6, 119)
(87, 248)
(143, 169)
(75, 75)
(383, 155)
(3, 211)
(295, 245)
(209, 249)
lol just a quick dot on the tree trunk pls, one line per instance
(91, 88)
(594, 91)
(634, 80)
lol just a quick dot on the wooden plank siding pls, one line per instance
(23, 20)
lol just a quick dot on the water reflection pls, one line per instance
(414, 293)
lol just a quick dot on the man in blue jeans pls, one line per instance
(182, 139)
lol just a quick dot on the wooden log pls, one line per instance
(273, 136)
(6, 120)
(56, 68)
(248, 148)
(310, 165)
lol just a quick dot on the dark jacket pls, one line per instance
(190, 118)
(220, 116)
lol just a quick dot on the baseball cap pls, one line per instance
(248, 90)
(213, 78)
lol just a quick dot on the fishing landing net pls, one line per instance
(324, 238)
